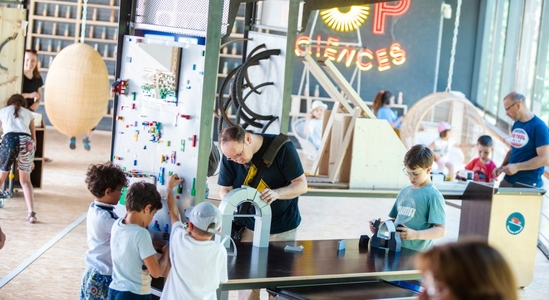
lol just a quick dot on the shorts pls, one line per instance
(94, 285)
(118, 295)
(16, 145)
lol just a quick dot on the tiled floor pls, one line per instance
(55, 274)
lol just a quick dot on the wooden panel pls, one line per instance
(519, 250)
(377, 154)
(12, 54)
(476, 209)
(341, 121)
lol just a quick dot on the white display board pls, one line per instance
(157, 136)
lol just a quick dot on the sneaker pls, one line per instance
(86, 144)
(72, 144)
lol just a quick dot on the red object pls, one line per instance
(186, 116)
(194, 140)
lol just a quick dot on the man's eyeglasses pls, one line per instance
(411, 174)
(238, 155)
(508, 108)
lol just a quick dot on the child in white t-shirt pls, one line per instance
(105, 182)
(199, 264)
(441, 148)
(132, 251)
(18, 142)
(313, 125)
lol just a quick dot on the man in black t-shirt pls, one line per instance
(280, 185)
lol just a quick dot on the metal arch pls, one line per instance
(262, 216)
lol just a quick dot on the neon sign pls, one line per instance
(350, 20)
(385, 9)
(364, 59)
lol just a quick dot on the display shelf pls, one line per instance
(56, 37)
(104, 6)
(54, 19)
(102, 23)
(50, 30)
(230, 55)
(107, 41)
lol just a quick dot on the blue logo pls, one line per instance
(515, 223)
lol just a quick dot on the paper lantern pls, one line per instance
(77, 89)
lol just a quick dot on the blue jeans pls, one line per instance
(118, 295)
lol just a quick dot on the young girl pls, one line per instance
(441, 147)
(18, 142)
(313, 127)
(32, 81)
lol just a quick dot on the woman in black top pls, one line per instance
(32, 81)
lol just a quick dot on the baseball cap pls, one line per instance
(442, 126)
(318, 103)
(203, 214)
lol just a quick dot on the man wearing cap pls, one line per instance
(280, 185)
(529, 152)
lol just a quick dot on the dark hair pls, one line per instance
(515, 97)
(141, 194)
(35, 72)
(485, 140)
(444, 133)
(232, 134)
(471, 269)
(18, 101)
(383, 97)
(100, 177)
(419, 156)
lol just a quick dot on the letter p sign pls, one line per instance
(385, 9)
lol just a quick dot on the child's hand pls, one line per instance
(174, 180)
(158, 246)
(372, 228)
(407, 233)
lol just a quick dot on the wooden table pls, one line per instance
(318, 263)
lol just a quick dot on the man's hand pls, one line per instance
(173, 181)
(407, 233)
(510, 169)
(269, 195)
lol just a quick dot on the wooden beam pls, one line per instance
(355, 98)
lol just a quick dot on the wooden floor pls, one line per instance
(62, 203)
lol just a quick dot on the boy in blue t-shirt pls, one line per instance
(420, 207)
(133, 254)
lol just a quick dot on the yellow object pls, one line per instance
(78, 89)
(12, 176)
